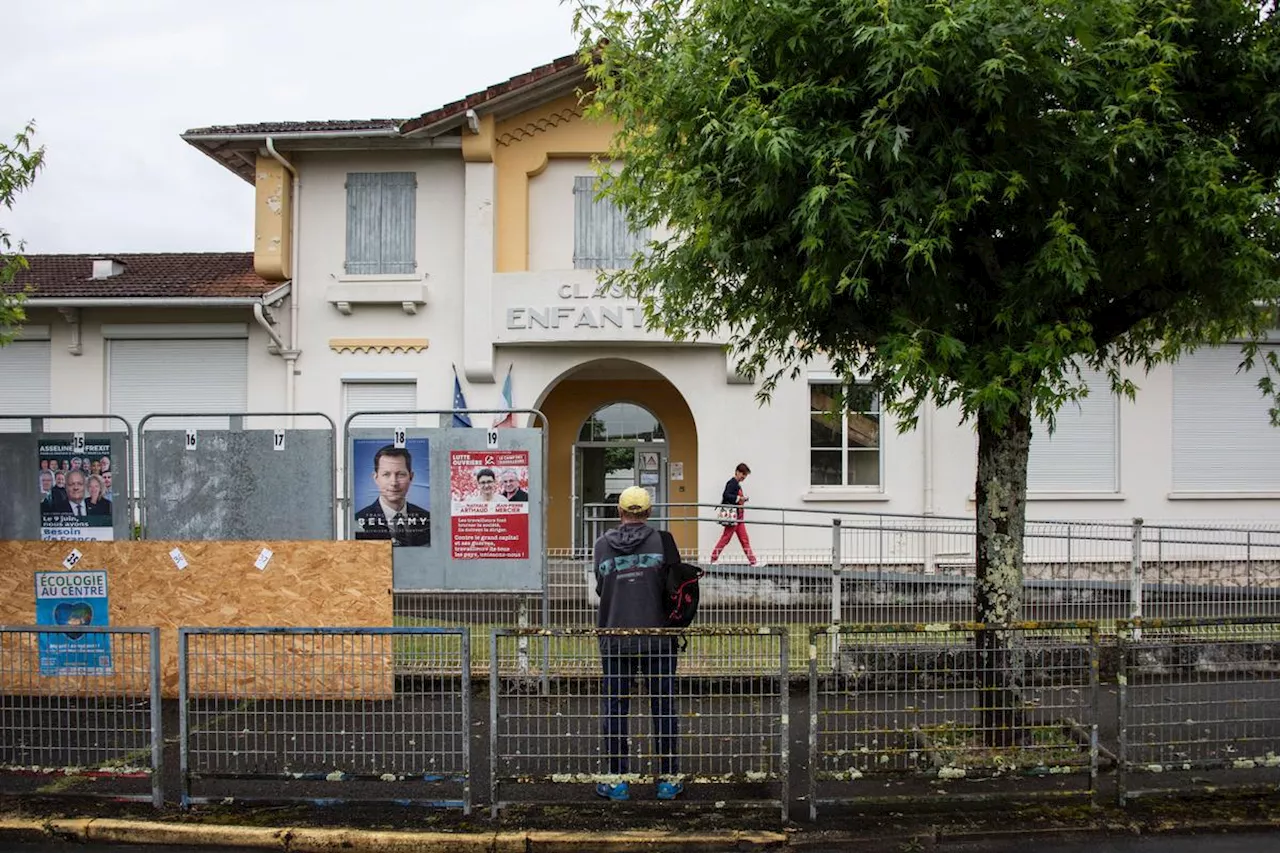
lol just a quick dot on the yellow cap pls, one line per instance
(634, 499)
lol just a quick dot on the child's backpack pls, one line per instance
(680, 585)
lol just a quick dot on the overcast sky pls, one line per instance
(112, 83)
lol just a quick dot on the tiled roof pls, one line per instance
(266, 127)
(477, 99)
(237, 153)
(173, 275)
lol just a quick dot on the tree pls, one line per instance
(964, 202)
(18, 167)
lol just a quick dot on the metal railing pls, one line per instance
(1199, 705)
(81, 707)
(714, 713)
(927, 709)
(309, 707)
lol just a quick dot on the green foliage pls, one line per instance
(18, 167)
(963, 201)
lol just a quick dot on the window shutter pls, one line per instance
(601, 237)
(379, 397)
(178, 376)
(381, 222)
(147, 376)
(1223, 440)
(364, 199)
(24, 382)
(396, 247)
(1082, 455)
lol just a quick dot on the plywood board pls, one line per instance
(305, 584)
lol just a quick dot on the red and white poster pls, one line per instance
(489, 500)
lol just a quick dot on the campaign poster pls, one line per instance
(72, 599)
(76, 493)
(489, 502)
(391, 490)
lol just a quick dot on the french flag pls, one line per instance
(508, 419)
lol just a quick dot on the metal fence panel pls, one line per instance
(1199, 705)
(94, 731)
(579, 714)
(386, 709)
(920, 709)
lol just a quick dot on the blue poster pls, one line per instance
(391, 490)
(71, 599)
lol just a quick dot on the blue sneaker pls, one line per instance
(670, 790)
(617, 793)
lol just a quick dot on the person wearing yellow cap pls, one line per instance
(628, 563)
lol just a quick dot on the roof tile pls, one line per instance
(159, 275)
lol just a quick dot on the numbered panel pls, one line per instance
(238, 484)
(463, 508)
(65, 486)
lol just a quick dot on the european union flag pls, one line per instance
(459, 402)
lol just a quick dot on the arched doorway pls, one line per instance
(600, 414)
(619, 445)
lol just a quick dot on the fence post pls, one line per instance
(1135, 580)
(837, 567)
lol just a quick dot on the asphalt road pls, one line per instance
(1247, 843)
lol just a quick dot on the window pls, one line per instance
(844, 436)
(379, 397)
(149, 376)
(24, 381)
(380, 223)
(1082, 454)
(601, 238)
(622, 422)
(1223, 440)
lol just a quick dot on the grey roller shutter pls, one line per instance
(24, 381)
(1083, 453)
(379, 397)
(148, 376)
(1223, 440)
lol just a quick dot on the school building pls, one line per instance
(389, 253)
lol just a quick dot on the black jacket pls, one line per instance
(371, 523)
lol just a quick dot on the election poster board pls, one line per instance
(76, 481)
(70, 599)
(489, 504)
(472, 507)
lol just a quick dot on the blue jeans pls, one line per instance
(620, 670)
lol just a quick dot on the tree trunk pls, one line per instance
(1001, 493)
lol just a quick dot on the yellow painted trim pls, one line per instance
(272, 220)
(478, 147)
(378, 345)
(525, 143)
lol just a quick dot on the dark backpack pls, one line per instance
(680, 585)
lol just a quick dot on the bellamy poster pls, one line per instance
(70, 599)
(489, 503)
(75, 488)
(392, 490)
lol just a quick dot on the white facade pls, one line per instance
(1196, 445)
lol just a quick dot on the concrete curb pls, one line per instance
(320, 840)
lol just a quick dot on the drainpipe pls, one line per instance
(291, 352)
(926, 432)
